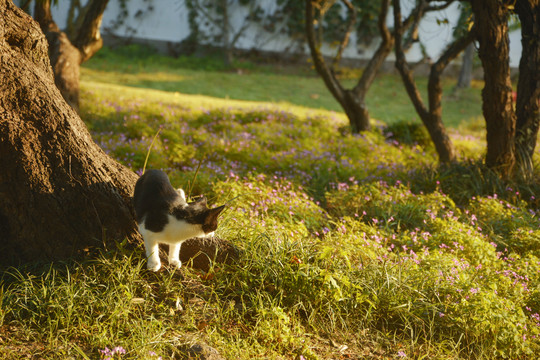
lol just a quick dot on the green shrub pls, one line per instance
(409, 133)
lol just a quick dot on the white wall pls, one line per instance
(168, 22)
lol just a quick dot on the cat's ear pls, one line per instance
(214, 213)
(210, 223)
(182, 194)
(219, 209)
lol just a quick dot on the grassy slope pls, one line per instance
(138, 68)
(353, 246)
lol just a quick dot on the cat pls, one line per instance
(165, 217)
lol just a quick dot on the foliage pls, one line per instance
(210, 21)
(284, 17)
(408, 132)
(124, 11)
(290, 14)
(352, 246)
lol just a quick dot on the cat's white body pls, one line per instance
(153, 195)
(174, 234)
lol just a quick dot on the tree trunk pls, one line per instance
(227, 48)
(491, 21)
(352, 101)
(528, 90)
(60, 194)
(88, 39)
(65, 56)
(431, 116)
(356, 110)
(466, 70)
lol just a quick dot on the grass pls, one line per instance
(351, 246)
(139, 67)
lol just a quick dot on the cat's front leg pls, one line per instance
(152, 253)
(174, 255)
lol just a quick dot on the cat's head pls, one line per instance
(204, 216)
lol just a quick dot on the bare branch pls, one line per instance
(387, 41)
(317, 56)
(350, 27)
(403, 66)
(89, 39)
(439, 7)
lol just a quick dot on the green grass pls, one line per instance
(351, 246)
(138, 67)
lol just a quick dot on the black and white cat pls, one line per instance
(165, 217)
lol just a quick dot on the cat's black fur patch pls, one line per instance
(155, 198)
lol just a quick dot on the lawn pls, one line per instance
(297, 85)
(350, 246)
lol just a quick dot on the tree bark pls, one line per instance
(65, 56)
(466, 70)
(491, 21)
(351, 100)
(88, 39)
(226, 29)
(528, 89)
(60, 194)
(375, 63)
(431, 116)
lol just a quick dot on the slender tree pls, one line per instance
(466, 70)
(528, 88)
(351, 100)
(491, 22)
(465, 76)
(66, 55)
(431, 115)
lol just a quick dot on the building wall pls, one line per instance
(168, 22)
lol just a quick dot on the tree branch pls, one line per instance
(350, 27)
(316, 54)
(42, 14)
(387, 41)
(403, 66)
(89, 39)
(434, 82)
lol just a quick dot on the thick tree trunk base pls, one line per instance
(60, 194)
(491, 22)
(356, 111)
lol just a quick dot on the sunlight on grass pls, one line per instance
(203, 102)
(386, 100)
(134, 79)
(350, 246)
